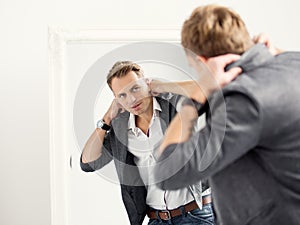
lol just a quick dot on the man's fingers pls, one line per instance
(255, 39)
(154, 93)
(148, 80)
(262, 38)
(218, 63)
(121, 110)
(229, 58)
(232, 73)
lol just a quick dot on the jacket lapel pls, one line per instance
(120, 126)
(164, 115)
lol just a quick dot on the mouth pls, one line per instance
(136, 106)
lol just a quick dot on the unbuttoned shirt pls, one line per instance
(142, 146)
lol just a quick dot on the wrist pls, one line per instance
(155, 87)
(200, 96)
(106, 119)
(101, 124)
(192, 103)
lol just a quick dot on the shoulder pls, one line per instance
(244, 84)
(169, 98)
(240, 93)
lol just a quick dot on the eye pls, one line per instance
(136, 89)
(122, 96)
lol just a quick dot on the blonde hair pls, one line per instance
(215, 30)
(121, 68)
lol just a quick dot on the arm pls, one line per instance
(181, 127)
(98, 140)
(200, 89)
(187, 159)
(93, 147)
(98, 154)
(183, 88)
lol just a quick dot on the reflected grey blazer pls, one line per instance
(115, 148)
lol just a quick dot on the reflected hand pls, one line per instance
(114, 109)
(155, 86)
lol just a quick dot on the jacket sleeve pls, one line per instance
(104, 159)
(233, 128)
(177, 100)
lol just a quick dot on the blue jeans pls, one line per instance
(194, 217)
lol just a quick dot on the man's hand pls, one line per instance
(212, 75)
(156, 86)
(114, 109)
(265, 39)
(217, 67)
(159, 86)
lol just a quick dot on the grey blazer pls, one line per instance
(250, 148)
(115, 148)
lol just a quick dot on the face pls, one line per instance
(132, 93)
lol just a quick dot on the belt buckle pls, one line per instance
(167, 213)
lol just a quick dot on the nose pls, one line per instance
(131, 99)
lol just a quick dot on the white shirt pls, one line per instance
(142, 147)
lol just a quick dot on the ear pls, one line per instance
(202, 58)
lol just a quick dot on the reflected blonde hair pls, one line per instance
(121, 68)
(215, 30)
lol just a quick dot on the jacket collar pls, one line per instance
(255, 57)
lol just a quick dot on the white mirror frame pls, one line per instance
(58, 41)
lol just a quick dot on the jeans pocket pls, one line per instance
(205, 215)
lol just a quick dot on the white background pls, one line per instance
(24, 114)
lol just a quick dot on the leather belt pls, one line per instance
(168, 214)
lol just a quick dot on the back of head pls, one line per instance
(121, 68)
(215, 30)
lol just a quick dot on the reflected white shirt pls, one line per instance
(142, 147)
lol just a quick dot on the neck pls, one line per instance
(146, 116)
(143, 121)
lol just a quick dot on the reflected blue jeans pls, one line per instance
(194, 217)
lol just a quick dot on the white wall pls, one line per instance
(24, 167)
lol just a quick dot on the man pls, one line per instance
(250, 147)
(130, 138)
